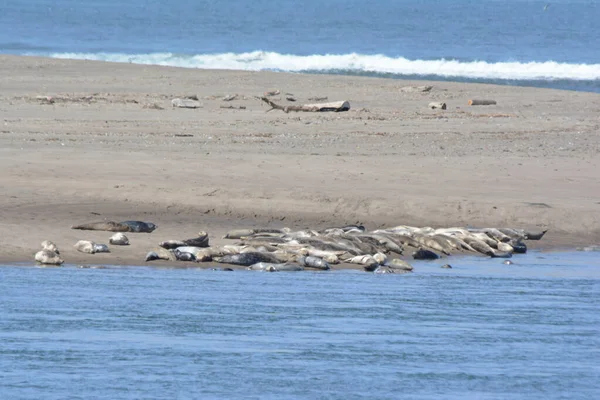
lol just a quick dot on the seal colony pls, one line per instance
(272, 249)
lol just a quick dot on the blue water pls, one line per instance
(483, 330)
(535, 43)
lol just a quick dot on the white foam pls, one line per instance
(259, 60)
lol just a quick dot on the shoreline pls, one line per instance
(107, 151)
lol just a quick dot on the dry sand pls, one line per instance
(112, 148)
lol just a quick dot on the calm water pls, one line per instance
(540, 43)
(482, 330)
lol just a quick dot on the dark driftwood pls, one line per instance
(482, 102)
(336, 106)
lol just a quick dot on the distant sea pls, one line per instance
(550, 43)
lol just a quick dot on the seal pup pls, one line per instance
(423, 254)
(48, 245)
(119, 239)
(48, 257)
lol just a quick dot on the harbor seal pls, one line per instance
(423, 254)
(200, 241)
(239, 233)
(366, 260)
(111, 226)
(85, 246)
(271, 267)
(160, 254)
(89, 247)
(139, 226)
(385, 270)
(183, 256)
(48, 245)
(313, 262)
(247, 259)
(48, 257)
(518, 246)
(397, 263)
(119, 239)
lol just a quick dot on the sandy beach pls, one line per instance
(110, 147)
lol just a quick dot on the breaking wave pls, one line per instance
(357, 63)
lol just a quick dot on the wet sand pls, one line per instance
(111, 147)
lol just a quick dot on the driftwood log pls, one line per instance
(416, 89)
(482, 102)
(335, 106)
(185, 103)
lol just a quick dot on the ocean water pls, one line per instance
(482, 330)
(549, 43)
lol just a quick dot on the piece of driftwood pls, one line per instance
(272, 93)
(416, 89)
(234, 107)
(482, 102)
(317, 98)
(230, 97)
(290, 98)
(439, 105)
(335, 106)
(185, 103)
